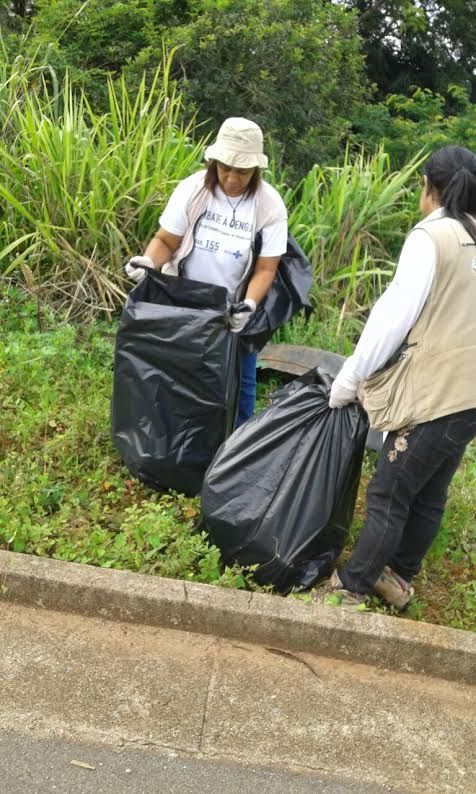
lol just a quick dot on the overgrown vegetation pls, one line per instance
(82, 191)
(296, 67)
(104, 106)
(65, 494)
(316, 75)
(351, 220)
(63, 490)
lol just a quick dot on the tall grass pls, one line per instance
(80, 192)
(351, 221)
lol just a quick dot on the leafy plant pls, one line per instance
(82, 191)
(351, 220)
(404, 123)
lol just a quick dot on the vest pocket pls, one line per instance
(376, 403)
(386, 396)
(378, 400)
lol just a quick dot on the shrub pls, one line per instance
(406, 124)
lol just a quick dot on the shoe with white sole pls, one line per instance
(337, 596)
(393, 589)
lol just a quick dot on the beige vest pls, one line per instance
(436, 374)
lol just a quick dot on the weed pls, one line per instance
(65, 494)
(68, 495)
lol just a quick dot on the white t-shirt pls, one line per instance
(223, 236)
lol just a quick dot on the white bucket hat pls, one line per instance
(239, 143)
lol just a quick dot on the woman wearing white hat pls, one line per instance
(208, 228)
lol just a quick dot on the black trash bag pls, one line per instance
(281, 491)
(287, 296)
(176, 381)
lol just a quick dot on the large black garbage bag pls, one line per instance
(288, 295)
(281, 490)
(175, 381)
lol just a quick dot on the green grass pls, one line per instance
(328, 333)
(64, 491)
(66, 495)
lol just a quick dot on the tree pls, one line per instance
(295, 67)
(14, 12)
(96, 36)
(429, 43)
(407, 124)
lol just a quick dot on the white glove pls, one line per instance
(134, 267)
(239, 318)
(341, 395)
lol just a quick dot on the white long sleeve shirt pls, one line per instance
(397, 310)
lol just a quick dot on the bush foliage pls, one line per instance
(405, 124)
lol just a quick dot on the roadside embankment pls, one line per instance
(379, 640)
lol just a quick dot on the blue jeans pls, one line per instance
(406, 498)
(247, 387)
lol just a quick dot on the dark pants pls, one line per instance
(406, 498)
(247, 387)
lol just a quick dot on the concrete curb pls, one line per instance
(267, 620)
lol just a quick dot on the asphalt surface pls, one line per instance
(191, 712)
(31, 766)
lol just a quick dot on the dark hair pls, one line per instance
(451, 172)
(211, 179)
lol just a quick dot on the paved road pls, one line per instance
(31, 766)
(121, 689)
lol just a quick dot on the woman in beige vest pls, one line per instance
(414, 369)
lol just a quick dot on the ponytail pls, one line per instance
(451, 171)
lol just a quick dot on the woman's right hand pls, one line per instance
(341, 395)
(135, 267)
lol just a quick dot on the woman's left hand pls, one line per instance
(241, 315)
